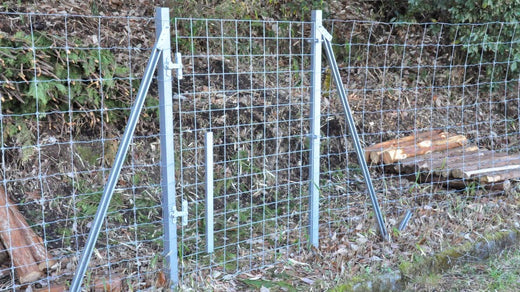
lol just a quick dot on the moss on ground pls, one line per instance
(428, 269)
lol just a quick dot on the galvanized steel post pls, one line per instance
(164, 80)
(314, 138)
(209, 192)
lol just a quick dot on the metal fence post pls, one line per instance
(314, 187)
(164, 80)
(209, 192)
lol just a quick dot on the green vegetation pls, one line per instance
(41, 77)
(490, 39)
(46, 76)
(487, 265)
(497, 274)
(256, 9)
(88, 203)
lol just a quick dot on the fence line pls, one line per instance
(252, 149)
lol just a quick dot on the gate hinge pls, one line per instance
(164, 46)
(176, 65)
(183, 213)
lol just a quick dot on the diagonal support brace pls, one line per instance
(353, 131)
(161, 50)
(324, 33)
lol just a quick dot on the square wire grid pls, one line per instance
(247, 82)
(68, 83)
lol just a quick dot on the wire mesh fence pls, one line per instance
(405, 79)
(246, 82)
(69, 81)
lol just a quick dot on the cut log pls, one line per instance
(490, 164)
(404, 141)
(497, 175)
(479, 159)
(447, 159)
(504, 185)
(434, 160)
(24, 247)
(445, 167)
(425, 147)
(373, 152)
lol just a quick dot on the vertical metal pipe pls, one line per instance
(164, 80)
(209, 191)
(314, 173)
(115, 171)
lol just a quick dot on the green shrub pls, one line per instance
(41, 77)
(492, 36)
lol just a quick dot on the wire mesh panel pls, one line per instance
(247, 82)
(406, 79)
(67, 86)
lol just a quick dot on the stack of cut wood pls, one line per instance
(19, 245)
(411, 146)
(443, 155)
